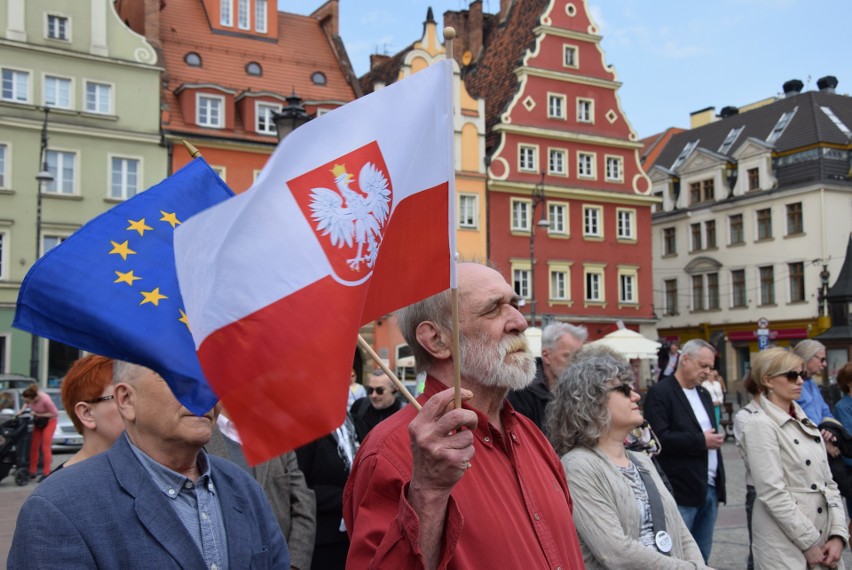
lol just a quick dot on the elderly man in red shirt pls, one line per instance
(476, 487)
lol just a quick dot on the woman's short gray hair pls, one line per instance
(578, 414)
(808, 348)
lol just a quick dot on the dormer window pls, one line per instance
(779, 127)
(253, 68)
(318, 78)
(226, 13)
(729, 141)
(687, 149)
(836, 120)
(192, 59)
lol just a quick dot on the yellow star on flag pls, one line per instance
(128, 277)
(139, 226)
(183, 318)
(152, 297)
(170, 217)
(121, 249)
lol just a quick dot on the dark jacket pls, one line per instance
(532, 400)
(684, 449)
(366, 417)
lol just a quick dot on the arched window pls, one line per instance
(192, 59)
(253, 68)
(318, 78)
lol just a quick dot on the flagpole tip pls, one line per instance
(449, 33)
(193, 152)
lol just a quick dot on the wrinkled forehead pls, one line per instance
(481, 286)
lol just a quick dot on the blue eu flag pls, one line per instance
(112, 289)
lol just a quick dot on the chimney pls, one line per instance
(827, 84)
(505, 8)
(377, 59)
(793, 87)
(475, 22)
(728, 111)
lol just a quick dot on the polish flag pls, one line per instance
(351, 218)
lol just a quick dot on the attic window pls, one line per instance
(192, 59)
(687, 149)
(253, 68)
(733, 134)
(318, 78)
(836, 120)
(779, 127)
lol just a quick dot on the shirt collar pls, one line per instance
(169, 482)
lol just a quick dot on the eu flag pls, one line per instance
(111, 288)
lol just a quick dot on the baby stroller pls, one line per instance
(15, 449)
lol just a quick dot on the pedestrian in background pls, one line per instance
(798, 518)
(717, 394)
(740, 419)
(44, 414)
(625, 516)
(812, 353)
(380, 404)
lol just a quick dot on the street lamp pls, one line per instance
(291, 117)
(42, 177)
(537, 198)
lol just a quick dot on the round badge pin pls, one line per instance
(664, 541)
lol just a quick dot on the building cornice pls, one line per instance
(80, 130)
(177, 138)
(569, 34)
(567, 77)
(566, 136)
(79, 55)
(552, 191)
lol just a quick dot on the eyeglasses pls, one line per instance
(792, 375)
(101, 399)
(380, 390)
(625, 389)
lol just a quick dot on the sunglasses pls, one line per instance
(625, 389)
(793, 375)
(380, 390)
(101, 399)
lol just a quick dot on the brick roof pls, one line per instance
(288, 61)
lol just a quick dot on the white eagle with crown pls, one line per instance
(348, 216)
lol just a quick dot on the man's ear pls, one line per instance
(125, 399)
(84, 414)
(433, 340)
(545, 356)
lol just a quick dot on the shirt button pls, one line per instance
(807, 461)
(816, 439)
(538, 518)
(819, 509)
(172, 492)
(796, 441)
(214, 566)
(813, 486)
(188, 485)
(204, 516)
(486, 439)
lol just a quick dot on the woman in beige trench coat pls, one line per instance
(798, 520)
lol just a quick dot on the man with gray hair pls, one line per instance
(154, 500)
(680, 412)
(812, 352)
(559, 343)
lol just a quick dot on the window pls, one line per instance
(4, 160)
(521, 280)
(318, 78)
(559, 285)
(226, 12)
(192, 59)
(527, 158)
(764, 224)
(98, 98)
(710, 234)
(767, 285)
(16, 86)
(585, 111)
(57, 27)
(730, 139)
(264, 113)
(695, 193)
(709, 191)
(698, 293)
(671, 296)
(797, 282)
(209, 111)
(735, 225)
(695, 233)
(521, 215)
(260, 16)
(592, 223)
(557, 215)
(468, 211)
(61, 166)
(243, 14)
(557, 162)
(753, 179)
(594, 285)
(3, 247)
(836, 120)
(253, 68)
(712, 290)
(57, 92)
(669, 242)
(685, 152)
(779, 127)
(124, 178)
(585, 165)
(614, 168)
(627, 287)
(556, 106)
(569, 56)
(625, 224)
(220, 171)
(794, 218)
(738, 288)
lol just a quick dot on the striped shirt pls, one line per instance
(196, 505)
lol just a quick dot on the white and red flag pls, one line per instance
(351, 218)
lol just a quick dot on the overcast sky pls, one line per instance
(673, 57)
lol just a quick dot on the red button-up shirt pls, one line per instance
(511, 509)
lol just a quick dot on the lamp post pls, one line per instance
(42, 177)
(291, 117)
(537, 198)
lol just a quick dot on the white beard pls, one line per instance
(487, 362)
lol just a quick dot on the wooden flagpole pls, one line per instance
(400, 386)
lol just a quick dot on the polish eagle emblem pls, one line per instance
(350, 215)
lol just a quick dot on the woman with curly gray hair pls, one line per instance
(624, 515)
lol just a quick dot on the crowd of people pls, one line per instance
(549, 466)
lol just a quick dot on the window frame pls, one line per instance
(753, 177)
(474, 224)
(585, 108)
(266, 110)
(575, 56)
(562, 101)
(124, 187)
(599, 222)
(97, 85)
(698, 293)
(551, 152)
(670, 298)
(555, 229)
(15, 73)
(592, 163)
(618, 161)
(220, 100)
(710, 232)
(5, 164)
(713, 292)
(65, 36)
(524, 204)
(521, 280)
(738, 227)
(523, 150)
(631, 215)
(562, 268)
(763, 224)
(630, 274)
(244, 14)
(669, 240)
(696, 237)
(5, 252)
(47, 78)
(592, 273)
(739, 289)
(226, 13)
(796, 215)
(766, 280)
(261, 16)
(798, 284)
(58, 173)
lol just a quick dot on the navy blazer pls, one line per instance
(107, 513)
(684, 449)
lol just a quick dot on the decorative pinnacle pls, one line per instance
(449, 33)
